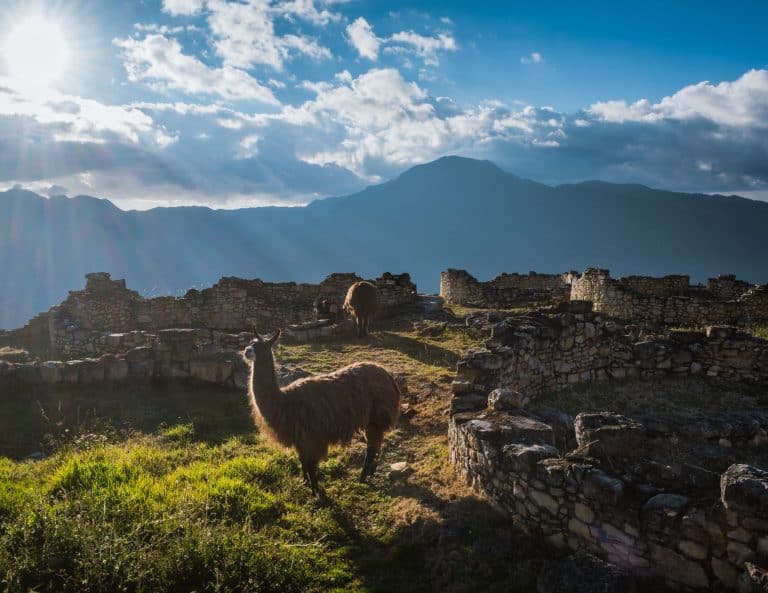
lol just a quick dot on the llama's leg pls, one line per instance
(359, 324)
(312, 473)
(305, 465)
(374, 436)
(365, 325)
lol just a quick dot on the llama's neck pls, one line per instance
(265, 390)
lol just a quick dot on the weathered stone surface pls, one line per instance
(504, 398)
(744, 488)
(600, 486)
(669, 505)
(524, 457)
(754, 579)
(678, 568)
(609, 435)
(583, 573)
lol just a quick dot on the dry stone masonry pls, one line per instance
(508, 290)
(671, 300)
(82, 324)
(604, 482)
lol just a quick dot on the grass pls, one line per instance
(759, 331)
(202, 504)
(673, 395)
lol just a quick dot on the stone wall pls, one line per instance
(700, 538)
(671, 300)
(508, 290)
(197, 354)
(618, 493)
(549, 351)
(80, 325)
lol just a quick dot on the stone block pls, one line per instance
(504, 398)
(744, 488)
(677, 568)
(606, 435)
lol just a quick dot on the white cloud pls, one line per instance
(306, 10)
(160, 62)
(741, 103)
(182, 7)
(363, 39)
(249, 147)
(379, 120)
(68, 117)
(425, 47)
(532, 58)
(244, 34)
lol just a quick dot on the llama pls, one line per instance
(362, 302)
(315, 412)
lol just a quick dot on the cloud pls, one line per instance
(425, 47)
(160, 62)
(741, 103)
(182, 7)
(379, 121)
(67, 117)
(244, 34)
(306, 10)
(532, 58)
(363, 39)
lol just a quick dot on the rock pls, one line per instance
(504, 398)
(525, 457)
(678, 568)
(601, 487)
(754, 579)
(584, 573)
(668, 505)
(468, 403)
(744, 488)
(399, 470)
(724, 572)
(606, 435)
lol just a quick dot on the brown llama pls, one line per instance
(313, 413)
(362, 302)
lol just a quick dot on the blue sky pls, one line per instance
(233, 103)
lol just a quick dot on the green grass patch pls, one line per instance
(154, 514)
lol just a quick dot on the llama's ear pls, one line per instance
(273, 340)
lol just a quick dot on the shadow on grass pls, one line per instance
(460, 545)
(46, 418)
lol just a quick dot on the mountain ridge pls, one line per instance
(452, 212)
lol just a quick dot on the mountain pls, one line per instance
(452, 212)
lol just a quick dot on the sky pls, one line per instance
(278, 102)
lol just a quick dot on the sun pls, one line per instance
(36, 51)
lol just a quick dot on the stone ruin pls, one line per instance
(669, 300)
(672, 300)
(660, 496)
(107, 317)
(458, 287)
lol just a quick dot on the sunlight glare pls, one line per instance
(36, 52)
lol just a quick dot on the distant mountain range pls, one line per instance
(452, 212)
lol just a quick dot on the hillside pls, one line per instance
(453, 212)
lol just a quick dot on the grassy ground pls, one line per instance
(189, 508)
(760, 331)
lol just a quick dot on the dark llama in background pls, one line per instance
(361, 303)
(313, 413)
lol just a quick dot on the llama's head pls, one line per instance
(259, 351)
